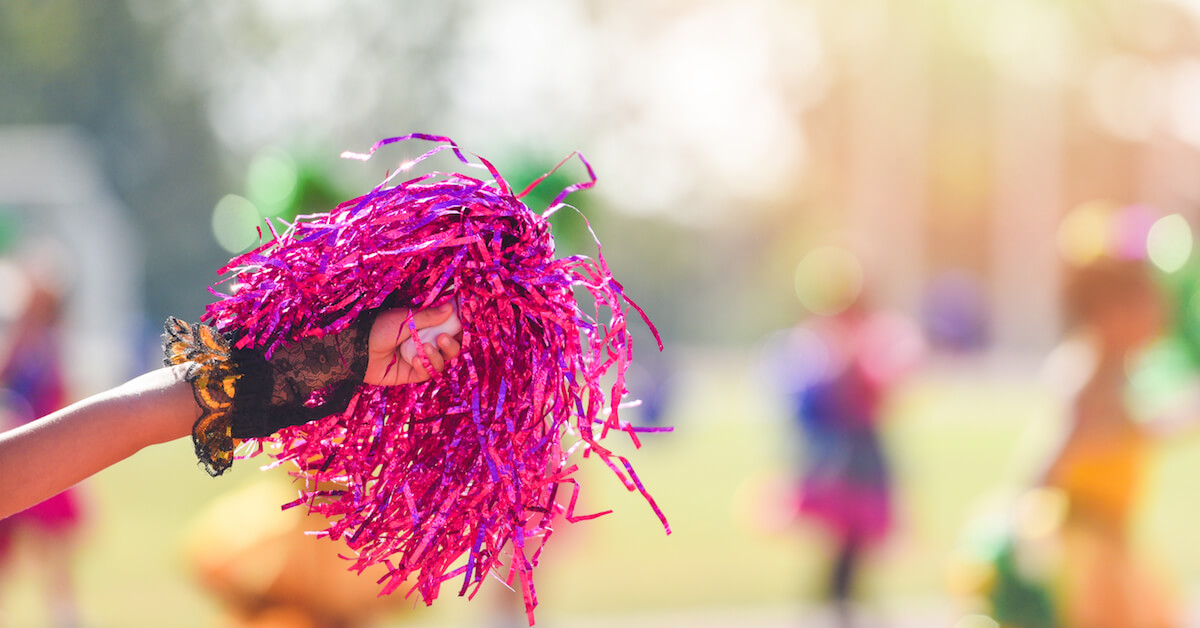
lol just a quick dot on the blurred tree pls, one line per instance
(89, 64)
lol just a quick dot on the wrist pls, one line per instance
(167, 407)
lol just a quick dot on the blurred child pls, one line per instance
(846, 485)
(1117, 310)
(1069, 560)
(32, 382)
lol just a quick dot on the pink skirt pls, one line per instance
(849, 511)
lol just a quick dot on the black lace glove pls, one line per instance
(242, 394)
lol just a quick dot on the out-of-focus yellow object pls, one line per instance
(267, 573)
(1084, 234)
(828, 279)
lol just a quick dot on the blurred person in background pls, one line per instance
(1068, 557)
(849, 359)
(1116, 309)
(32, 384)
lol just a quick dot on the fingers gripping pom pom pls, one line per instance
(429, 335)
(461, 475)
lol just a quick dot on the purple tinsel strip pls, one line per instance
(469, 463)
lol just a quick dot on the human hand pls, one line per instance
(387, 367)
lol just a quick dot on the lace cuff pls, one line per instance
(312, 378)
(242, 394)
(213, 379)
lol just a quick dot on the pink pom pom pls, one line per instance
(461, 475)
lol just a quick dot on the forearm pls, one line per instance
(51, 454)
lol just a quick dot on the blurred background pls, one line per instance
(754, 156)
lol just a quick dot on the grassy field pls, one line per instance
(957, 442)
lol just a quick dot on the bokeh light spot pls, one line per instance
(1129, 231)
(1083, 235)
(828, 279)
(1169, 243)
(234, 223)
(271, 181)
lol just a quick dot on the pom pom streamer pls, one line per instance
(462, 475)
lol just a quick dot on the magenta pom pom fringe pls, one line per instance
(460, 476)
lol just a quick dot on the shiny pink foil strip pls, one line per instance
(460, 476)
